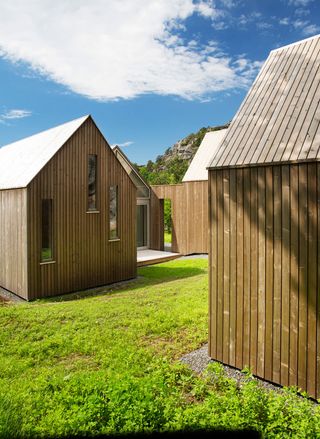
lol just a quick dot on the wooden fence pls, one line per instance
(189, 206)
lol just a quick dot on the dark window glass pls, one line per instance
(47, 230)
(142, 225)
(113, 212)
(92, 182)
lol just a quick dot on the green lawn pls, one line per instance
(109, 363)
(167, 237)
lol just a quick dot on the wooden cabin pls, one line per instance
(189, 202)
(264, 219)
(143, 200)
(67, 213)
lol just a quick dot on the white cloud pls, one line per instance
(206, 9)
(302, 12)
(298, 3)
(299, 24)
(243, 20)
(228, 3)
(220, 25)
(284, 21)
(124, 144)
(117, 49)
(304, 26)
(311, 29)
(263, 25)
(255, 18)
(15, 114)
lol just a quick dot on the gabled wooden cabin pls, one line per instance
(264, 210)
(189, 202)
(67, 213)
(143, 200)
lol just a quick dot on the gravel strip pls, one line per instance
(198, 360)
(7, 297)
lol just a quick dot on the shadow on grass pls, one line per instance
(162, 272)
(147, 276)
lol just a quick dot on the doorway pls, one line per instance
(142, 225)
(167, 218)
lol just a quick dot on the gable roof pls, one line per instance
(197, 170)
(143, 189)
(279, 120)
(21, 161)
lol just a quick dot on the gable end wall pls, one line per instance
(84, 257)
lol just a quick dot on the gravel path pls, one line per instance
(6, 297)
(198, 360)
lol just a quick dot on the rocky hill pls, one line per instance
(170, 167)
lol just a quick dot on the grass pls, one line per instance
(46, 254)
(167, 237)
(109, 364)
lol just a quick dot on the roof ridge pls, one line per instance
(47, 129)
(277, 121)
(295, 43)
(22, 160)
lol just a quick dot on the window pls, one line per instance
(92, 182)
(142, 225)
(47, 230)
(113, 212)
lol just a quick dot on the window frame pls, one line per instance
(94, 209)
(117, 237)
(50, 226)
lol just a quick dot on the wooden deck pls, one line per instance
(150, 257)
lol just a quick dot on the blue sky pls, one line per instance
(149, 72)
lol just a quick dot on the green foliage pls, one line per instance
(167, 216)
(108, 364)
(161, 172)
(167, 237)
(170, 168)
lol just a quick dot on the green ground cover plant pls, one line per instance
(167, 237)
(107, 362)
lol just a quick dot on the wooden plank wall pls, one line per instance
(13, 241)
(83, 255)
(156, 222)
(189, 206)
(264, 272)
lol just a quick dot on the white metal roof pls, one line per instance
(197, 170)
(21, 161)
(143, 189)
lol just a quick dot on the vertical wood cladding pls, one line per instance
(13, 241)
(156, 222)
(189, 210)
(264, 271)
(84, 256)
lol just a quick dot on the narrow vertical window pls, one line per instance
(113, 212)
(92, 182)
(47, 230)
